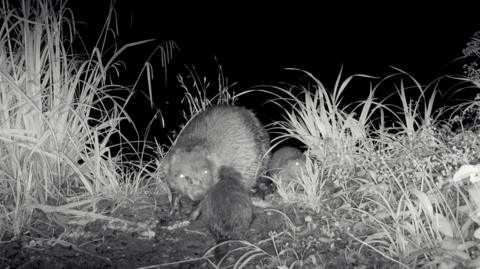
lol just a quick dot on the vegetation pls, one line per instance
(409, 187)
(60, 113)
(396, 181)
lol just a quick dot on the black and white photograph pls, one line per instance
(263, 135)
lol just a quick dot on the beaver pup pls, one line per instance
(227, 209)
(286, 163)
(288, 160)
(219, 136)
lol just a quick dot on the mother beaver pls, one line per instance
(219, 136)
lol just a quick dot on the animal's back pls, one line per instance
(230, 136)
(227, 208)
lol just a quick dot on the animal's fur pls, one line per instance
(286, 163)
(227, 209)
(219, 136)
(285, 158)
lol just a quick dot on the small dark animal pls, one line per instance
(219, 136)
(286, 160)
(227, 209)
(286, 163)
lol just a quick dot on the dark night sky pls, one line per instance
(254, 42)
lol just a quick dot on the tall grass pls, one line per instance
(57, 115)
(403, 177)
(393, 172)
(320, 121)
(199, 95)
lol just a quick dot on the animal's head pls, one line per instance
(294, 167)
(191, 173)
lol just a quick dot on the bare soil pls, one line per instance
(149, 237)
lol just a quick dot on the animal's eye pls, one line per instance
(187, 179)
(297, 163)
(205, 172)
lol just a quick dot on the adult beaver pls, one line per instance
(227, 209)
(219, 136)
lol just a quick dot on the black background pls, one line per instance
(254, 43)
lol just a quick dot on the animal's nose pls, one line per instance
(189, 180)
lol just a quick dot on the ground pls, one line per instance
(151, 238)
